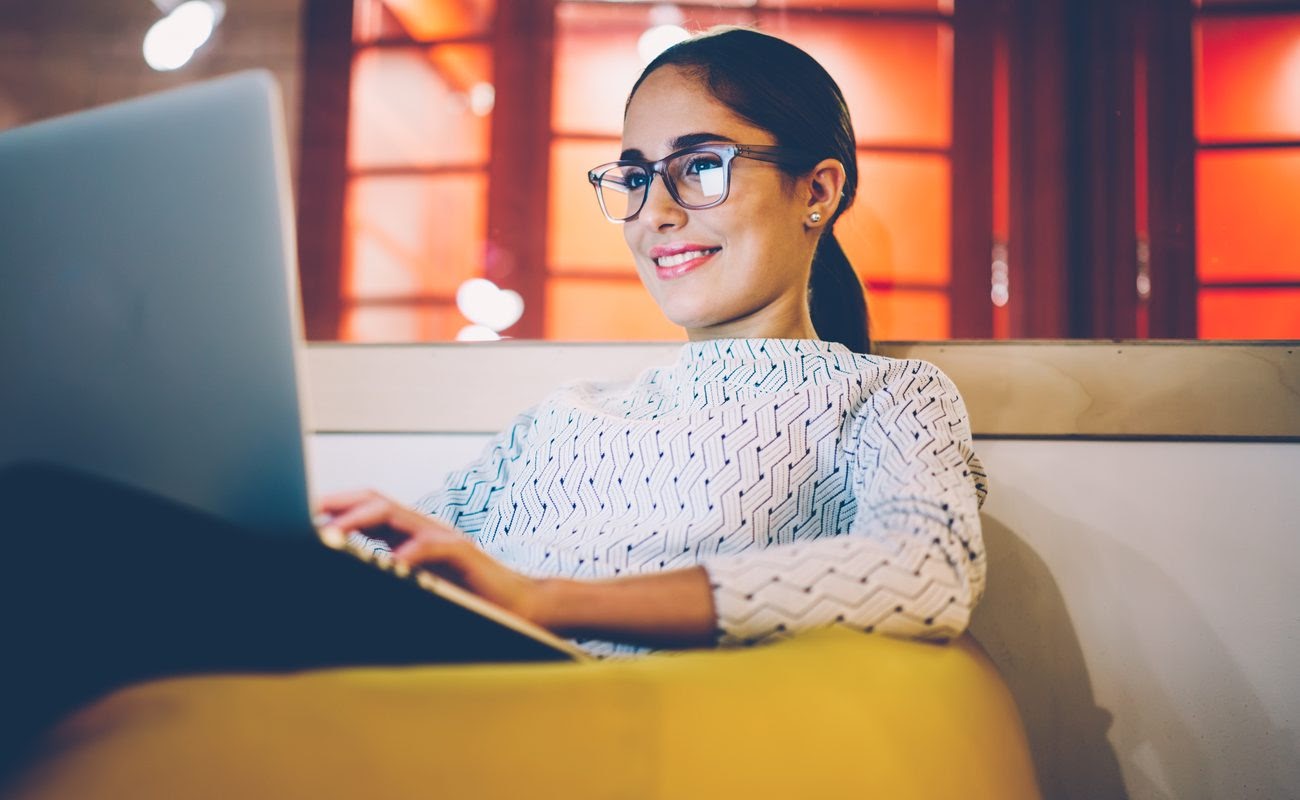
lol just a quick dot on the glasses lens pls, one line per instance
(700, 177)
(622, 190)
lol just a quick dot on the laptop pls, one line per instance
(150, 327)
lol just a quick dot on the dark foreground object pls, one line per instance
(102, 586)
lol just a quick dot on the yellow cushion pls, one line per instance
(827, 714)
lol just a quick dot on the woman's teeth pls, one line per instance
(682, 258)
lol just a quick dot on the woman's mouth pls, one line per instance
(678, 262)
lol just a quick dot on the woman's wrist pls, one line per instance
(552, 599)
(666, 609)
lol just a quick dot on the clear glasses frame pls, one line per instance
(614, 175)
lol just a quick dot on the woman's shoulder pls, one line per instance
(886, 368)
(873, 372)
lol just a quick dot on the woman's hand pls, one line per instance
(425, 542)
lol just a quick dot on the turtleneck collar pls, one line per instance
(739, 351)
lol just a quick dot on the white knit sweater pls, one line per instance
(815, 485)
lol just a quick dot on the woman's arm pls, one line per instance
(664, 609)
(911, 563)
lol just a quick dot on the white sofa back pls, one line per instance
(1144, 549)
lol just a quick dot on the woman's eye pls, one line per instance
(698, 164)
(636, 180)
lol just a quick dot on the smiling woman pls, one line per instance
(774, 479)
(798, 175)
(766, 482)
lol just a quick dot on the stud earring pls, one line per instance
(815, 217)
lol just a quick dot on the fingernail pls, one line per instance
(333, 537)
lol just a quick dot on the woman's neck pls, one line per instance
(774, 321)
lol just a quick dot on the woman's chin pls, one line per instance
(689, 318)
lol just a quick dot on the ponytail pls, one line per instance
(835, 297)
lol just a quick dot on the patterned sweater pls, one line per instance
(816, 486)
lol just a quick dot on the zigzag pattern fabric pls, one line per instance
(816, 486)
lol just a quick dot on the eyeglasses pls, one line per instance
(696, 177)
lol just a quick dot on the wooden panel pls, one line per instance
(1012, 389)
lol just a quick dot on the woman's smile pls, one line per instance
(677, 259)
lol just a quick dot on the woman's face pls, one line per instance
(739, 269)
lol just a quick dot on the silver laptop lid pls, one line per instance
(149, 309)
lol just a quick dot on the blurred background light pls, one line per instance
(481, 302)
(482, 98)
(172, 40)
(476, 333)
(658, 39)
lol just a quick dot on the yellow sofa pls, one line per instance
(825, 715)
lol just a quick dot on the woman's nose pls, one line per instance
(661, 210)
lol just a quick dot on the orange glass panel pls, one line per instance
(605, 310)
(896, 76)
(421, 20)
(1248, 77)
(940, 6)
(401, 324)
(415, 106)
(372, 20)
(898, 229)
(1248, 214)
(1249, 314)
(908, 315)
(413, 235)
(578, 235)
(597, 60)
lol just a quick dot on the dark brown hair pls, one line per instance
(775, 86)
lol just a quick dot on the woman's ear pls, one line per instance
(825, 192)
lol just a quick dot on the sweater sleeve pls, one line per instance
(911, 563)
(466, 495)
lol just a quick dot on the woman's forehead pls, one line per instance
(672, 105)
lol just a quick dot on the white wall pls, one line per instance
(1141, 602)
(1143, 608)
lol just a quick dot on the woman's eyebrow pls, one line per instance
(681, 142)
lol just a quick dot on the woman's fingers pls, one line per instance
(429, 548)
(339, 502)
(368, 510)
(368, 514)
